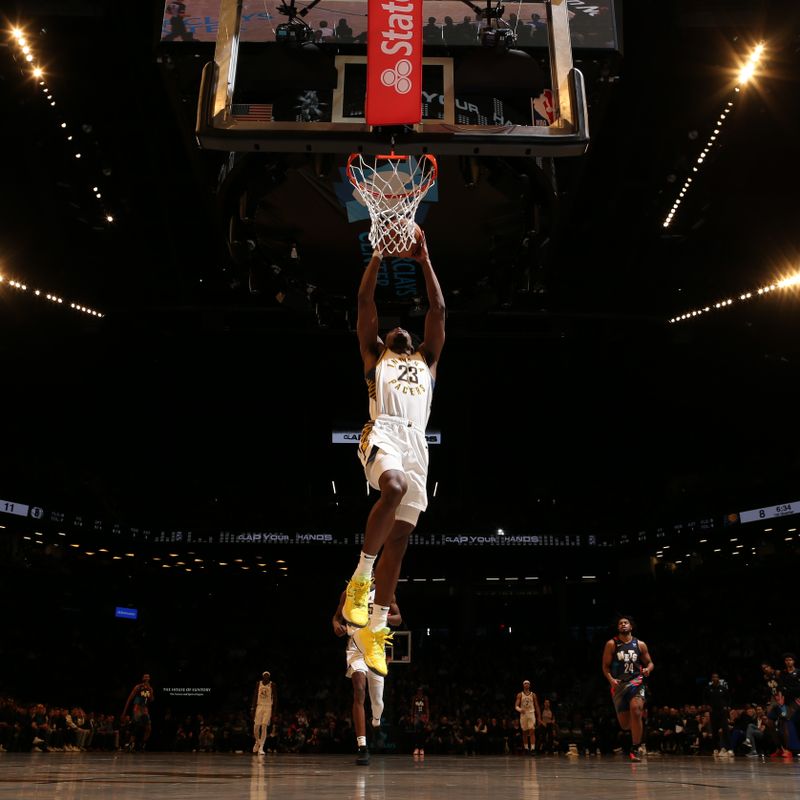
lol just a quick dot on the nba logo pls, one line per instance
(543, 112)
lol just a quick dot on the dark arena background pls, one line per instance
(612, 431)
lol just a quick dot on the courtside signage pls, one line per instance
(394, 62)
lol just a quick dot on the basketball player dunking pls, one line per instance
(393, 449)
(626, 663)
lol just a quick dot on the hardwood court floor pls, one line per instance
(171, 776)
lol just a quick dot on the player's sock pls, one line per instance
(361, 741)
(378, 617)
(365, 565)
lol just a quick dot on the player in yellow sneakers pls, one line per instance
(393, 450)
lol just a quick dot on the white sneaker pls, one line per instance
(261, 753)
(731, 754)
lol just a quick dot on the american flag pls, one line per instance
(252, 112)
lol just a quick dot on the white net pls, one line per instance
(392, 187)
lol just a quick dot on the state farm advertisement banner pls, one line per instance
(394, 62)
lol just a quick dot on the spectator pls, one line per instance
(466, 31)
(481, 737)
(343, 32)
(717, 697)
(431, 32)
(324, 33)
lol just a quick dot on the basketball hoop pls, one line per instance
(392, 188)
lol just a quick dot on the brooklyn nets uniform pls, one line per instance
(400, 392)
(141, 700)
(626, 667)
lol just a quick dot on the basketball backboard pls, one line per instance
(399, 651)
(308, 96)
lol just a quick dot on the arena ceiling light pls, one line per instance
(790, 282)
(746, 73)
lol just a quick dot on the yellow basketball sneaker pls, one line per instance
(373, 646)
(356, 602)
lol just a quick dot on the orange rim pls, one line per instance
(417, 190)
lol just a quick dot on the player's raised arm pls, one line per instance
(367, 322)
(433, 340)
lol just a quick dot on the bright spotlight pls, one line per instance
(746, 72)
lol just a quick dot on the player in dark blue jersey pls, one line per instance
(626, 663)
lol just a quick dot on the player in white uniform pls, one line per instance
(360, 674)
(393, 449)
(527, 706)
(264, 699)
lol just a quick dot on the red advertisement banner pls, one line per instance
(394, 62)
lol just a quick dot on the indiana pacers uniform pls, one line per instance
(626, 667)
(356, 663)
(527, 717)
(263, 703)
(262, 714)
(400, 391)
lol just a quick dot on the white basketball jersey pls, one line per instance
(264, 694)
(526, 703)
(402, 387)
